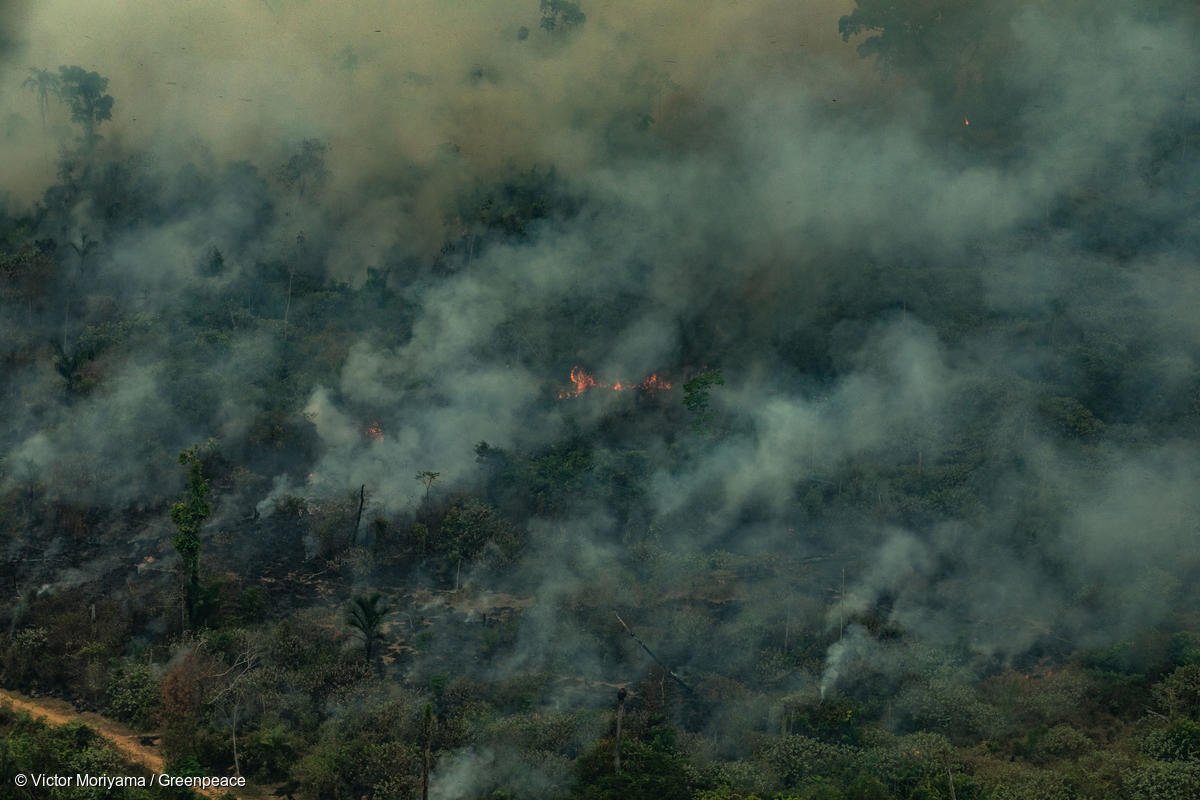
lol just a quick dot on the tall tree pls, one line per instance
(427, 478)
(44, 83)
(238, 690)
(189, 514)
(84, 94)
(305, 170)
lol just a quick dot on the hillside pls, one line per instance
(583, 400)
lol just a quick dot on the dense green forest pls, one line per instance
(588, 400)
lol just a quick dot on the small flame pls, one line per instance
(654, 384)
(966, 122)
(582, 381)
(375, 431)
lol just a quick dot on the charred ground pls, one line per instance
(897, 494)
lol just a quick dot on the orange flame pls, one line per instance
(375, 431)
(966, 122)
(582, 381)
(654, 384)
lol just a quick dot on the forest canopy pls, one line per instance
(605, 399)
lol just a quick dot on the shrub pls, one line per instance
(1061, 741)
(796, 758)
(23, 656)
(1164, 780)
(1179, 692)
(649, 771)
(1179, 740)
(133, 694)
(271, 750)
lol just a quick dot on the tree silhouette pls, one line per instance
(44, 83)
(561, 15)
(305, 170)
(427, 477)
(83, 92)
(84, 248)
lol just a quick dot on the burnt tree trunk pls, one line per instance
(621, 695)
(362, 499)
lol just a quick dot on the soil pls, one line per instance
(124, 740)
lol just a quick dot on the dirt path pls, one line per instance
(122, 739)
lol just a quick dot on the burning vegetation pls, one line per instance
(583, 382)
(926, 418)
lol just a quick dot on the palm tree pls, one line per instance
(45, 83)
(366, 617)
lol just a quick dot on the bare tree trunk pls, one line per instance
(621, 694)
(426, 755)
(237, 768)
(650, 653)
(842, 607)
(288, 305)
(362, 499)
(425, 772)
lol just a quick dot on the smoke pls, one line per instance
(398, 93)
(842, 653)
(13, 18)
(350, 244)
(471, 773)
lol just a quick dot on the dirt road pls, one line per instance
(122, 739)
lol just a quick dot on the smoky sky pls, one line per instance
(966, 276)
